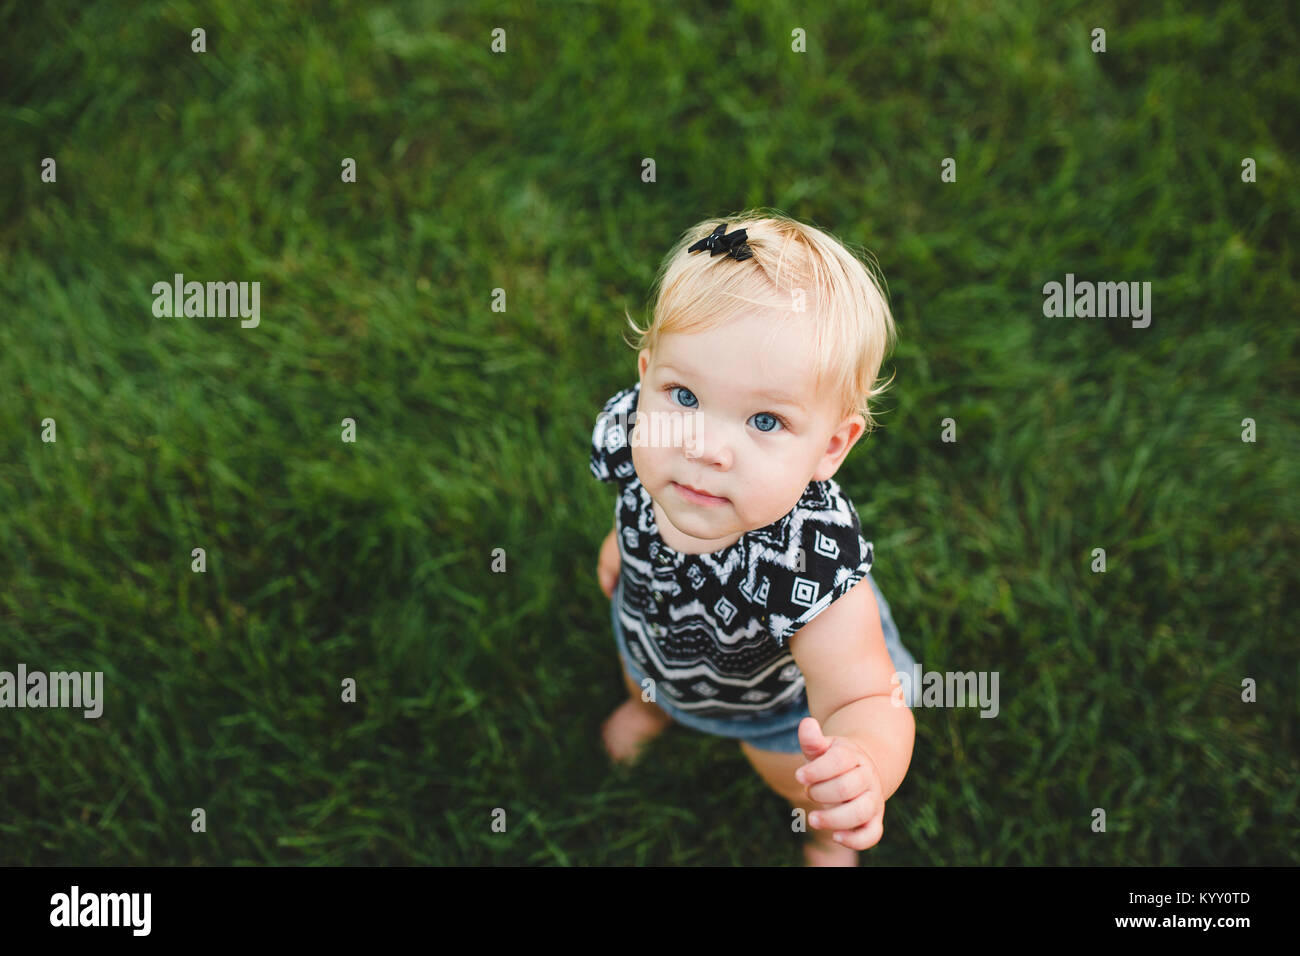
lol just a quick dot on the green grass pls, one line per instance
(476, 171)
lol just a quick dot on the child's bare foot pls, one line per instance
(632, 724)
(820, 849)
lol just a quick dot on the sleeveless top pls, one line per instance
(712, 630)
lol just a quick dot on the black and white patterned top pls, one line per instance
(712, 630)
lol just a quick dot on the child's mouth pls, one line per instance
(698, 497)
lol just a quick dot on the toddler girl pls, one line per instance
(742, 600)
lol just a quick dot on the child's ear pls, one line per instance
(837, 446)
(642, 360)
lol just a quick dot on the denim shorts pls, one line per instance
(778, 730)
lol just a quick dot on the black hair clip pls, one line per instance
(733, 245)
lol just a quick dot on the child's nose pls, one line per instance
(708, 442)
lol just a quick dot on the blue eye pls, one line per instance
(768, 415)
(678, 388)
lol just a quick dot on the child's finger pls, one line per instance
(844, 787)
(864, 837)
(847, 816)
(831, 764)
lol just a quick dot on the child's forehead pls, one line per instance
(750, 338)
(749, 346)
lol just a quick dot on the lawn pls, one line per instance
(480, 687)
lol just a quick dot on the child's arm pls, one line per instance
(847, 670)
(609, 563)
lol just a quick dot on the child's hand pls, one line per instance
(841, 774)
(608, 565)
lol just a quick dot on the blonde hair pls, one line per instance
(799, 272)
